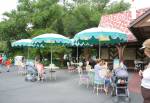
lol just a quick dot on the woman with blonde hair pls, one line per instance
(145, 74)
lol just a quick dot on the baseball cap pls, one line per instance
(146, 44)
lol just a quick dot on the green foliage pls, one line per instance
(14, 27)
(19, 52)
(3, 45)
(32, 53)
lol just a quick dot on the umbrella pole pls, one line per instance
(28, 53)
(51, 57)
(51, 64)
(99, 50)
(77, 54)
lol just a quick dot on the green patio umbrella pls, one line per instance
(100, 36)
(23, 43)
(50, 39)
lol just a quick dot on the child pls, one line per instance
(8, 63)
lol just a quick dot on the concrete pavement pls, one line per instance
(65, 89)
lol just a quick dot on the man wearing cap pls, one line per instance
(145, 74)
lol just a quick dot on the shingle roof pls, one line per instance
(121, 21)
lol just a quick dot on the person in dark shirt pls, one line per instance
(92, 63)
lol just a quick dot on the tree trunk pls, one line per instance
(62, 60)
(9, 49)
(120, 49)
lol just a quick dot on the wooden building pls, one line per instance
(137, 30)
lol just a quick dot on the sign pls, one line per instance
(116, 63)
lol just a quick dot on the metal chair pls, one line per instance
(99, 85)
(70, 67)
(83, 77)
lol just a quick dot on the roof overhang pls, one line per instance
(140, 27)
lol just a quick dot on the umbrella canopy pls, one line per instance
(100, 35)
(51, 38)
(77, 44)
(22, 43)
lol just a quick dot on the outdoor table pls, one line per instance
(77, 64)
(51, 71)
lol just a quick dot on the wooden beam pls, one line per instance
(137, 34)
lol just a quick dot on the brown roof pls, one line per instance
(121, 21)
(140, 27)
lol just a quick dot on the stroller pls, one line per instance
(120, 84)
(31, 72)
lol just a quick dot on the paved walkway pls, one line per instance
(134, 83)
(65, 89)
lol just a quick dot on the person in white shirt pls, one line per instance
(145, 74)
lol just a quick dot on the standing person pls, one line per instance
(40, 68)
(145, 74)
(22, 65)
(99, 80)
(4, 56)
(97, 68)
(1, 60)
(92, 62)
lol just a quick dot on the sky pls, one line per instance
(8, 5)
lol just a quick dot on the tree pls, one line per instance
(116, 7)
(48, 16)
